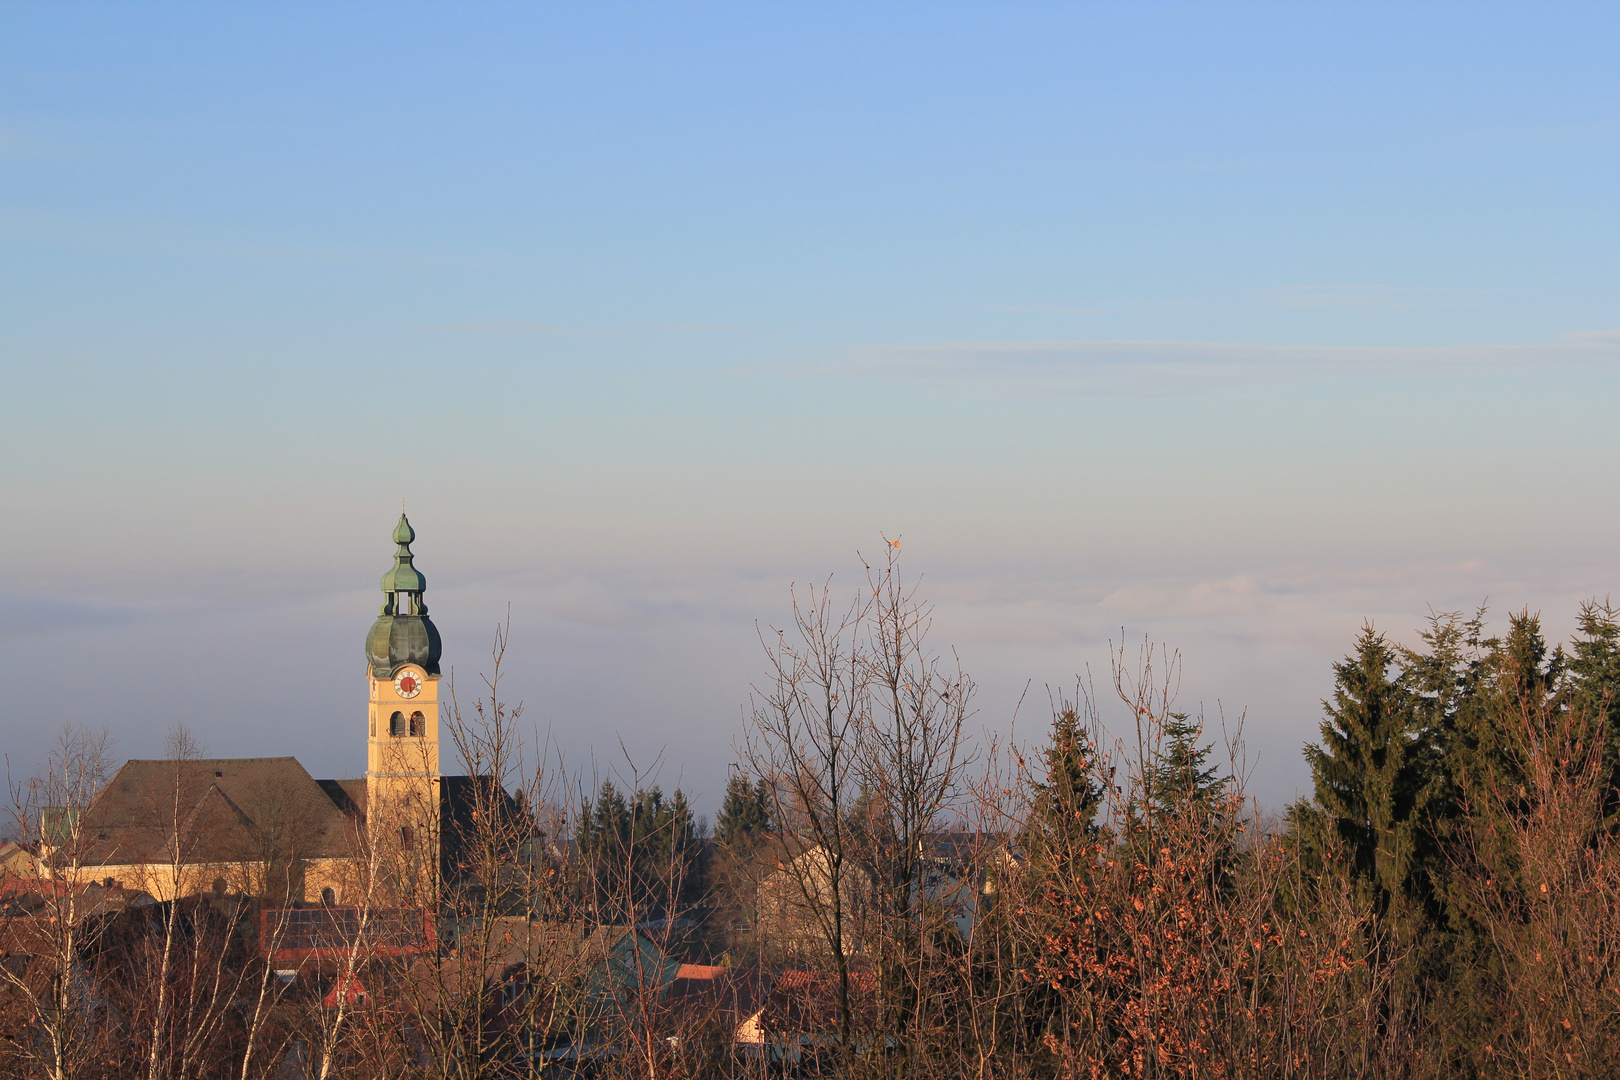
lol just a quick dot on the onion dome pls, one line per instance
(403, 633)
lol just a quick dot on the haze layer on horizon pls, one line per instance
(1229, 326)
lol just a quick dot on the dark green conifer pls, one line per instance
(1063, 812)
(745, 814)
(1519, 679)
(1179, 779)
(1368, 769)
(1595, 673)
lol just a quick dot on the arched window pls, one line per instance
(418, 725)
(329, 896)
(396, 725)
(406, 835)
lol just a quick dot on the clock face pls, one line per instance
(407, 684)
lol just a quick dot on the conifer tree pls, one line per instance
(1367, 771)
(1063, 811)
(604, 824)
(1520, 684)
(1179, 779)
(1442, 680)
(745, 815)
(1595, 674)
(1519, 679)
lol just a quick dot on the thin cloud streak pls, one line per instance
(1164, 368)
(519, 326)
(1368, 298)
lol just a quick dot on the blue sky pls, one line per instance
(1229, 325)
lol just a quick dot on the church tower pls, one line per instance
(402, 749)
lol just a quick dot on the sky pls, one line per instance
(1228, 327)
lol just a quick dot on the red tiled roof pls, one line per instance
(700, 971)
(806, 1002)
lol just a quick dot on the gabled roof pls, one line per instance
(806, 1002)
(17, 860)
(700, 990)
(226, 809)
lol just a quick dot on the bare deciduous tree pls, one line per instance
(53, 1026)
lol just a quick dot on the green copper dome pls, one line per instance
(403, 633)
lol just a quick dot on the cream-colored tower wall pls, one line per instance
(391, 756)
(402, 786)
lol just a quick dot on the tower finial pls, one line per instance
(403, 633)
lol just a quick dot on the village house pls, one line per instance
(956, 876)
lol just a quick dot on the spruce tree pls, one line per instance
(1595, 673)
(1519, 682)
(1442, 680)
(1179, 779)
(1063, 810)
(745, 814)
(1368, 769)
(1061, 841)
(605, 825)
(1519, 679)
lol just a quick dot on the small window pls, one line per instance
(396, 725)
(406, 835)
(329, 896)
(418, 725)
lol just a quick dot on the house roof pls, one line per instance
(213, 810)
(18, 861)
(564, 950)
(287, 934)
(348, 796)
(806, 1002)
(553, 947)
(47, 897)
(699, 990)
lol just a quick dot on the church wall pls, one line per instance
(306, 880)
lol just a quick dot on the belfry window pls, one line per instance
(396, 725)
(403, 604)
(418, 725)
